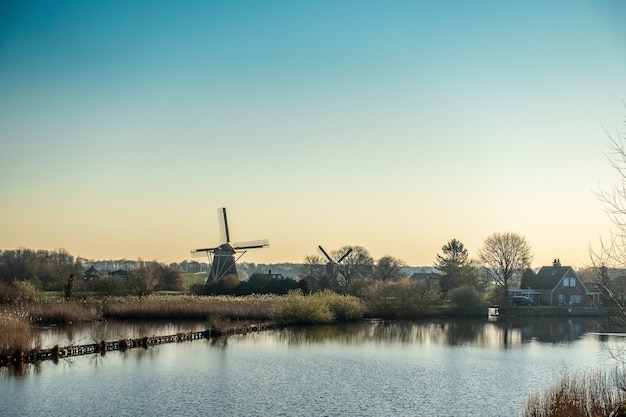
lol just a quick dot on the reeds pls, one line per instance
(593, 394)
(61, 312)
(189, 308)
(15, 336)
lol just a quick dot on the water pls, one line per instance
(371, 368)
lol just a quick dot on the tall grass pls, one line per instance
(61, 312)
(324, 307)
(15, 335)
(590, 395)
(189, 308)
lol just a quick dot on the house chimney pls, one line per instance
(556, 263)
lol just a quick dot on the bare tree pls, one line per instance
(356, 266)
(314, 272)
(389, 268)
(144, 279)
(612, 253)
(503, 257)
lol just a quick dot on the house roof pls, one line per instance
(549, 277)
(423, 275)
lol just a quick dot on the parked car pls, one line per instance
(522, 301)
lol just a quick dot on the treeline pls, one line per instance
(24, 272)
(46, 270)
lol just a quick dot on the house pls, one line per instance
(427, 277)
(91, 274)
(558, 285)
(259, 280)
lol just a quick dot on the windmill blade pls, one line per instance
(344, 255)
(223, 220)
(202, 250)
(252, 244)
(325, 254)
(201, 253)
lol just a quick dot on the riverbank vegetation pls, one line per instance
(591, 395)
(323, 307)
(19, 315)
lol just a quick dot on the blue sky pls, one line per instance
(396, 126)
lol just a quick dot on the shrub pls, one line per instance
(465, 297)
(324, 307)
(399, 299)
(298, 308)
(344, 307)
(18, 291)
(107, 286)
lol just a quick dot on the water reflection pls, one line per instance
(499, 334)
(503, 333)
(83, 333)
(452, 332)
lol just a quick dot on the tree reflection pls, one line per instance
(503, 333)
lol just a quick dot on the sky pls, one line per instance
(392, 125)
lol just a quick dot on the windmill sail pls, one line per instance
(223, 220)
(344, 255)
(325, 254)
(252, 244)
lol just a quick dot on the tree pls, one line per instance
(170, 279)
(503, 257)
(17, 265)
(143, 281)
(612, 254)
(455, 270)
(389, 268)
(528, 276)
(358, 265)
(314, 272)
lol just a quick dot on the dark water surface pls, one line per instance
(370, 368)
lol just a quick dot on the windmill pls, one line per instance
(222, 257)
(332, 267)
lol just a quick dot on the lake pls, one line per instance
(371, 368)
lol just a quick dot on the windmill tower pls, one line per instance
(224, 256)
(332, 267)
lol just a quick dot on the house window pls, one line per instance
(575, 299)
(569, 282)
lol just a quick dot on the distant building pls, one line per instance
(427, 277)
(91, 273)
(558, 285)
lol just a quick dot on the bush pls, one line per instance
(343, 307)
(325, 307)
(465, 297)
(107, 286)
(18, 291)
(400, 299)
